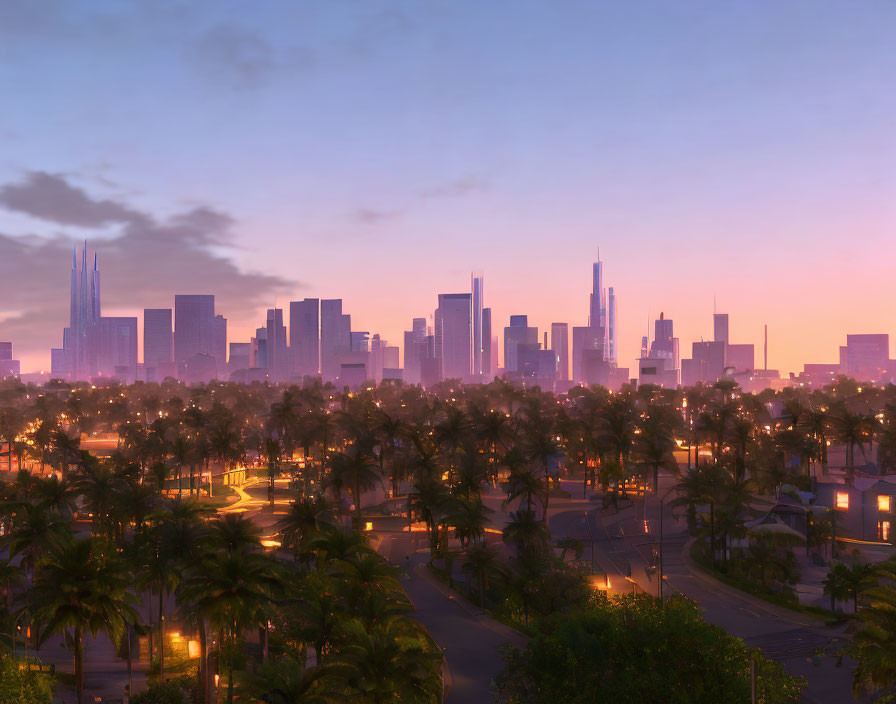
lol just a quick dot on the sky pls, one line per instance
(381, 151)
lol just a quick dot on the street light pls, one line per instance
(659, 565)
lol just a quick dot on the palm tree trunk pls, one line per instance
(230, 665)
(79, 664)
(151, 630)
(203, 663)
(162, 632)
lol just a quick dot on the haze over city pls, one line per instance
(380, 152)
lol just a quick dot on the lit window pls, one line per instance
(843, 500)
(883, 530)
(883, 503)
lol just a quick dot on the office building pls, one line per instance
(560, 346)
(304, 336)
(720, 327)
(488, 367)
(158, 336)
(477, 283)
(454, 335)
(516, 334)
(335, 337)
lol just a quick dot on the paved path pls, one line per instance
(470, 639)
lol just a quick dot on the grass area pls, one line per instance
(788, 601)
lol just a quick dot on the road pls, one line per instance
(622, 546)
(471, 640)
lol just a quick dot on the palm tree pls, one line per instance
(428, 501)
(304, 518)
(231, 591)
(469, 517)
(524, 482)
(270, 448)
(654, 447)
(480, 561)
(530, 535)
(540, 449)
(386, 665)
(35, 532)
(874, 646)
(359, 472)
(287, 681)
(852, 429)
(845, 581)
(81, 587)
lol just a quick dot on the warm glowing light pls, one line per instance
(193, 649)
(883, 503)
(843, 500)
(270, 543)
(368, 525)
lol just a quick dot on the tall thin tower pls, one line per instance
(477, 283)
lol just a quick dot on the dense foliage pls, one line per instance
(636, 650)
(148, 519)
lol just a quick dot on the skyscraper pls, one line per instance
(477, 286)
(453, 332)
(277, 349)
(193, 325)
(611, 328)
(335, 337)
(79, 343)
(720, 327)
(415, 351)
(487, 368)
(157, 336)
(560, 346)
(596, 308)
(516, 334)
(304, 336)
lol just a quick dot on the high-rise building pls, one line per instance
(453, 335)
(194, 317)
(157, 336)
(488, 369)
(478, 347)
(115, 348)
(335, 337)
(516, 334)
(8, 365)
(596, 308)
(304, 336)
(661, 366)
(277, 349)
(611, 328)
(865, 357)
(79, 343)
(219, 343)
(560, 346)
(415, 351)
(720, 327)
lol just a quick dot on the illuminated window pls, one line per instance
(883, 530)
(843, 500)
(883, 503)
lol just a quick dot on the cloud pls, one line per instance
(242, 59)
(369, 216)
(50, 197)
(455, 189)
(143, 263)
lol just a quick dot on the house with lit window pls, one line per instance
(865, 508)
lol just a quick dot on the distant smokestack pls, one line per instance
(545, 340)
(765, 350)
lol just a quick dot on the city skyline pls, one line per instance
(381, 154)
(459, 339)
